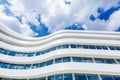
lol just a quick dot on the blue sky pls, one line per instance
(37, 18)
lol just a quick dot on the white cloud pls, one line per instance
(114, 21)
(14, 24)
(57, 15)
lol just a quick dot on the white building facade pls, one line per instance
(63, 55)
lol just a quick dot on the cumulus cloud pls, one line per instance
(114, 21)
(56, 15)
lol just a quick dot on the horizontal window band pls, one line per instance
(59, 60)
(65, 46)
(72, 76)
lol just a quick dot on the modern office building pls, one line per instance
(63, 55)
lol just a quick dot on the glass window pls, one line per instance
(49, 62)
(98, 47)
(66, 59)
(42, 52)
(1, 50)
(47, 51)
(35, 66)
(51, 77)
(12, 53)
(104, 47)
(59, 47)
(85, 46)
(106, 77)
(59, 77)
(66, 46)
(110, 61)
(73, 46)
(67, 77)
(33, 79)
(92, 77)
(118, 60)
(30, 54)
(52, 49)
(5, 79)
(20, 54)
(37, 53)
(80, 77)
(79, 46)
(4, 65)
(43, 64)
(42, 78)
(13, 66)
(77, 59)
(99, 60)
(111, 48)
(27, 66)
(5, 52)
(58, 60)
(92, 47)
(20, 66)
(116, 77)
(0, 63)
(117, 48)
(88, 60)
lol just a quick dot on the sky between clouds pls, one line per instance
(37, 18)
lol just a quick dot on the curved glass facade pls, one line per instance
(65, 46)
(60, 60)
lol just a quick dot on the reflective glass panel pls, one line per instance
(98, 47)
(4, 65)
(88, 60)
(67, 77)
(92, 77)
(66, 46)
(37, 53)
(73, 46)
(13, 66)
(58, 60)
(104, 47)
(111, 48)
(99, 60)
(79, 46)
(5, 52)
(1, 50)
(110, 61)
(35, 66)
(116, 77)
(43, 64)
(12, 53)
(77, 59)
(5, 79)
(59, 47)
(92, 47)
(43, 78)
(51, 77)
(66, 59)
(118, 60)
(85, 46)
(80, 77)
(27, 66)
(49, 62)
(33, 79)
(59, 77)
(106, 77)
(117, 48)
(30, 54)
